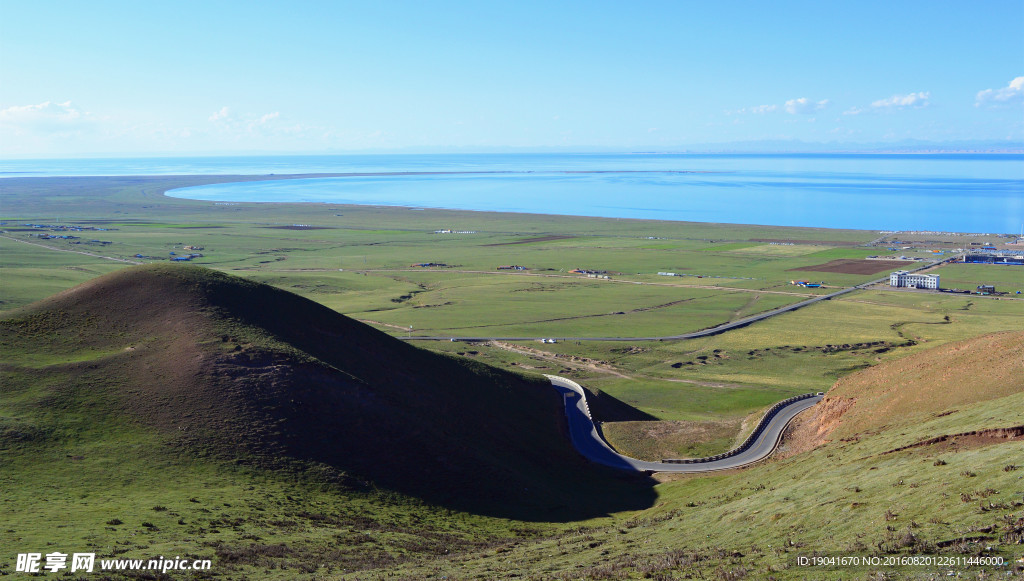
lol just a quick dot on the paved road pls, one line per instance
(589, 443)
(703, 333)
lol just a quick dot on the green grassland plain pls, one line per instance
(705, 392)
(358, 260)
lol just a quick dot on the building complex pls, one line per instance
(906, 279)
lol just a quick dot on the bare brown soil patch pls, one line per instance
(932, 382)
(529, 240)
(853, 266)
(922, 386)
(812, 429)
(972, 439)
(573, 361)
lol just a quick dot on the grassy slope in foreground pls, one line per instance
(86, 464)
(890, 476)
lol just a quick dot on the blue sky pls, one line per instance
(149, 78)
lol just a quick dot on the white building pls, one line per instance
(904, 278)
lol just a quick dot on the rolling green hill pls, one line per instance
(214, 366)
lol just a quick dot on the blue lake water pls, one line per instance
(942, 192)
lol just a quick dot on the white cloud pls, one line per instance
(760, 110)
(236, 126)
(46, 117)
(224, 113)
(48, 127)
(1012, 93)
(916, 100)
(804, 106)
(59, 127)
(853, 111)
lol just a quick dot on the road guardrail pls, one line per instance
(768, 415)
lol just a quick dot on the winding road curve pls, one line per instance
(585, 438)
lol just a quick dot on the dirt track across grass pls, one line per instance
(817, 242)
(529, 240)
(852, 266)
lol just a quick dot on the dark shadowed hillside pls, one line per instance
(226, 368)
